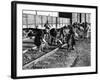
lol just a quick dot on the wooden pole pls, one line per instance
(80, 17)
(26, 20)
(41, 22)
(36, 19)
(71, 19)
(56, 22)
(85, 17)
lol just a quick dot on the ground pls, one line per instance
(79, 57)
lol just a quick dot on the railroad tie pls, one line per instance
(42, 57)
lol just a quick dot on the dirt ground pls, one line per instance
(84, 54)
(79, 57)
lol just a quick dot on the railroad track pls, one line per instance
(41, 57)
(47, 55)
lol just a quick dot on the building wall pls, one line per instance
(31, 20)
(81, 17)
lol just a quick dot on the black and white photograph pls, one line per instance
(55, 39)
